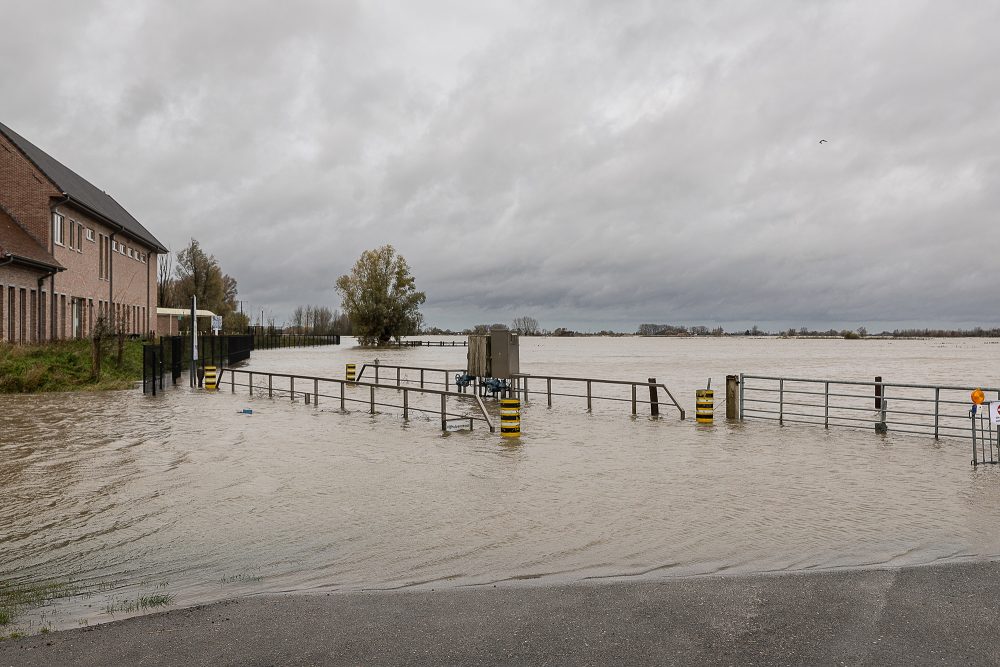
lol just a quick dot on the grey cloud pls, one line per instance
(595, 164)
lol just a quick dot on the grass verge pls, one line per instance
(66, 366)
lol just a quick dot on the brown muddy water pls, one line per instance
(114, 498)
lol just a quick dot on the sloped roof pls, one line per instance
(80, 190)
(16, 242)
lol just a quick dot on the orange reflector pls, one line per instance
(978, 396)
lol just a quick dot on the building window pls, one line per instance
(79, 237)
(143, 258)
(130, 253)
(58, 229)
(114, 245)
(72, 234)
(90, 234)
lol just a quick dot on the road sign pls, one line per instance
(995, 412)
(216, 322)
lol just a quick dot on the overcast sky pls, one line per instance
(591, 164)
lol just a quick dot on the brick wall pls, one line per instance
(84, 290)
(25, 192)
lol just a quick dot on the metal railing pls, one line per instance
(284, 385)
(919, 409)
(521, 387)
(985, 441)
(380, 370)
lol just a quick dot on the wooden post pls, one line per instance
(371, 396)
(291, 386)
(732, 396)
(269, 387)
(342, 403)
(548, 389)
(525, 387)
(878, 392)
(406, 404)
(589, 402)
(250, 384)
(654, 401)
(633, 399)
(937, 411)
(398, 381)
(421, 378)
(444, 412)
(316, 392)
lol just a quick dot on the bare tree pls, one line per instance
(525, 325)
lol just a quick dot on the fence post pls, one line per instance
(446, 379)
(406, 404)
(398, 380)
(291, 387)
(633, 399)
(741, 396)
(732, 402)
(548, 389)
(232, 381)
(937, 412)
(525, 388)
(371, 397)
(878, 392)
(270, 386)
(376, 373)
(250, 383)
(316, 392)
(826, 405)
(654, 400)
(444, 412)
(342, 403)
(421, 378)
(588, 396)
(781, 401)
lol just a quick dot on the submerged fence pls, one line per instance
(584, 388)
(312, 389)
(171, 355)
(920, 409)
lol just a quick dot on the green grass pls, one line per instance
(140, 603)
(66, 366)
(15, 598)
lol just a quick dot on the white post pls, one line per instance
(194, 341)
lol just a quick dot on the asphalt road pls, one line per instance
(940, 615)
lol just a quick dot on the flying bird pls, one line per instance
(823, 141)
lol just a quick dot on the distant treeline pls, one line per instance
(978, 332)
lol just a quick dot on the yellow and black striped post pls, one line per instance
(510, 417)
(211, 378)
(704, 406)
(350, 373)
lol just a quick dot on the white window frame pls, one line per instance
(114, 245)
(130, 253)
(58, 230)
(90, 235)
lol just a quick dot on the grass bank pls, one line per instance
(66, 366)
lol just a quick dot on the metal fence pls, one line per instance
(558, 386)
(920, 409)
(173, 353)
(985, 443)
(312, 389)
(268, 340)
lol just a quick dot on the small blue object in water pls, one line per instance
(246, 411)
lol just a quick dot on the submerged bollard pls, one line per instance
(211, 378)
(350, 373)
(510, 417)
(704, 406)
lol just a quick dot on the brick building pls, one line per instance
(69, 252)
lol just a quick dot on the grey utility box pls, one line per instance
(493, 355)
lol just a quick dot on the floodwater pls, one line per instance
(119, 495)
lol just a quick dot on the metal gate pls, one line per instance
(985, 447)
(152, 369)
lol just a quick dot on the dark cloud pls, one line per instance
(591, 164)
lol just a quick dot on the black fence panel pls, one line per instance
(152, 369)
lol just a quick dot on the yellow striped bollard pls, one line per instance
(211, 378)
(510, 417)
(350, 373)
(704, 406)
